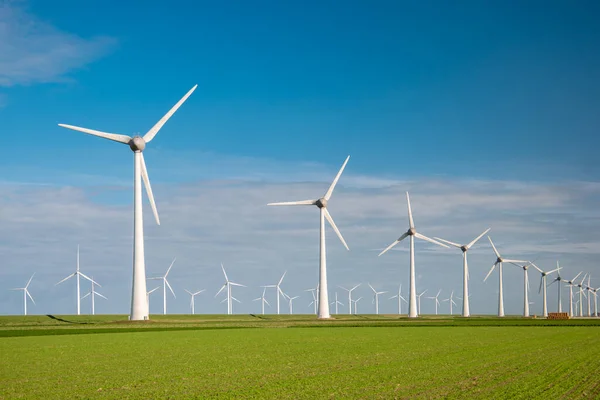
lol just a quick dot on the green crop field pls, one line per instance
(296, 357)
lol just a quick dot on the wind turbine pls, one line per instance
(589, 290)
(350, 297)
(570, 283)
(93, 293)
(499, 261)
(137, 144)
(165, 284)
(412, 232)
(595, 292)
(581, 294)
(322, 204)
(278, 290)
(25, 294)
(464, 248)
(192, 302)
(376, 298)
(336, 302)
(451, 301)
(437, 302)
(263, 300)
(290, 300)
(558, 279)
(148, 296)
(315, 299)
(543, 285)
(228, 285)
(400, 299)
(77, 274)
(419, 299)
(526, 288)
(356, 304)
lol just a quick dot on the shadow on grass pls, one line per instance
(64, 320)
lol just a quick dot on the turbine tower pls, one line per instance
(437, 302)
(356, 304)
(350, 297)
(419, 300)
(400, 299)
(464, 248)
(165, 284)
(451, 301)
(525, 288)
(543, 285)
(376, 298)
(137, 144)
(192, 300)
(290, 300)
(278, 290)
(227, 285)
(581, 294)
(322, 204)
(558, 279)
(77, 274)
(92, 293)
(570, 283)
(499, 261)
(25, 294)
(589, 290)
(412, 303)
(336, 303)
(263, 300)
(148, 296)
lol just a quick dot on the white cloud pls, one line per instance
(33, 51)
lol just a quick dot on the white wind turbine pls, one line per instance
(139, 307)
(451, 301)
(376, 298)
(349, 297)
(165, 285)
(148, 296)
(525, 288)
(290, 300)
(581, 294)
(356, 304)
(558, 279)
(595, 292)
(227, 285)
(571, 283)
(589, 290)
(77, 274)
(419, 299)
(315, 301)
(437, 302)
(412, 294)
(499, 261)
(278, 290)
(400, 299)
(321, 203)
(25, 294)
(464, 248)
(544, 285)
(336, 303)
(192, 302)
(263, 300)
(92, 293)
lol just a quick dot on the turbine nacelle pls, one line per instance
(411, 231)
(321, 203)
(137, 143)
(464, 248)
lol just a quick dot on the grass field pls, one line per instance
(366, 357)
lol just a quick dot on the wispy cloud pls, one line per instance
(34, 51)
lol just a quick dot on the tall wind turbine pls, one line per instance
(419, 299)
(437, 302)
(376, 298)
(558, 279)
(92, 293)
(356, 304)
(290, 300)
(77, 274)
(278, 290)
(499, 261)
(589, 296)
(350, 297)
(263, 300)
(148, 296)
(137, 144)
(543, 286)
(451, 301)
(525, 288)
(315, 301)
(165, 284)
(464, 248)
(192, 302)
(322, 204)
(400, 299)
(571, 283)
(227, 285)
(581, 294)
(337, 303)
(25, 294)
(412, 232)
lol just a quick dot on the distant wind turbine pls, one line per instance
(278, 290)
(92, 293)
(544, 285)
(355, 305)
(165, 285)
(321, 203)
(412, 232)
(26, 294)
(263, 300)
(558, 279)
(419, 299)
(437, 302)
(571, 283)
(336, 302)
(581, 295)
(400, 299)
(450, 301)
(350, 297)
(137, 144)
(376, 298)
(192, 302)
(525, 288)
(148, 295)
(227, 285)
(77, 274)
(290, 302)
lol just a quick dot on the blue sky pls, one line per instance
(485, 111)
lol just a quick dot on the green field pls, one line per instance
(296, 357)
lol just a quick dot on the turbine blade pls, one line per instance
(554, 270)
(220, 290)
(170, 266)
(506, 260)
(477, 238)
(149, 188)
(267, 303)
(494, 247)
(110, 136)
(541, 283)
(423, 237)
(152, 132)
(295, 203)
(410, 217)
(335, 181)
(153, 289)
(282, 276)
(73, 274)
(170, 288)
(87, 294)
(576, 276)
(224, 273)
(335, 228)
(89, 279)
(98, 294)
(404, 236)
(489, 273)
(28, 294)
(448, 242)
(237, 284)
(355, 286)
(536, 267)
(233, 298)
(29, 281)
(374, 291)
(189, 292)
